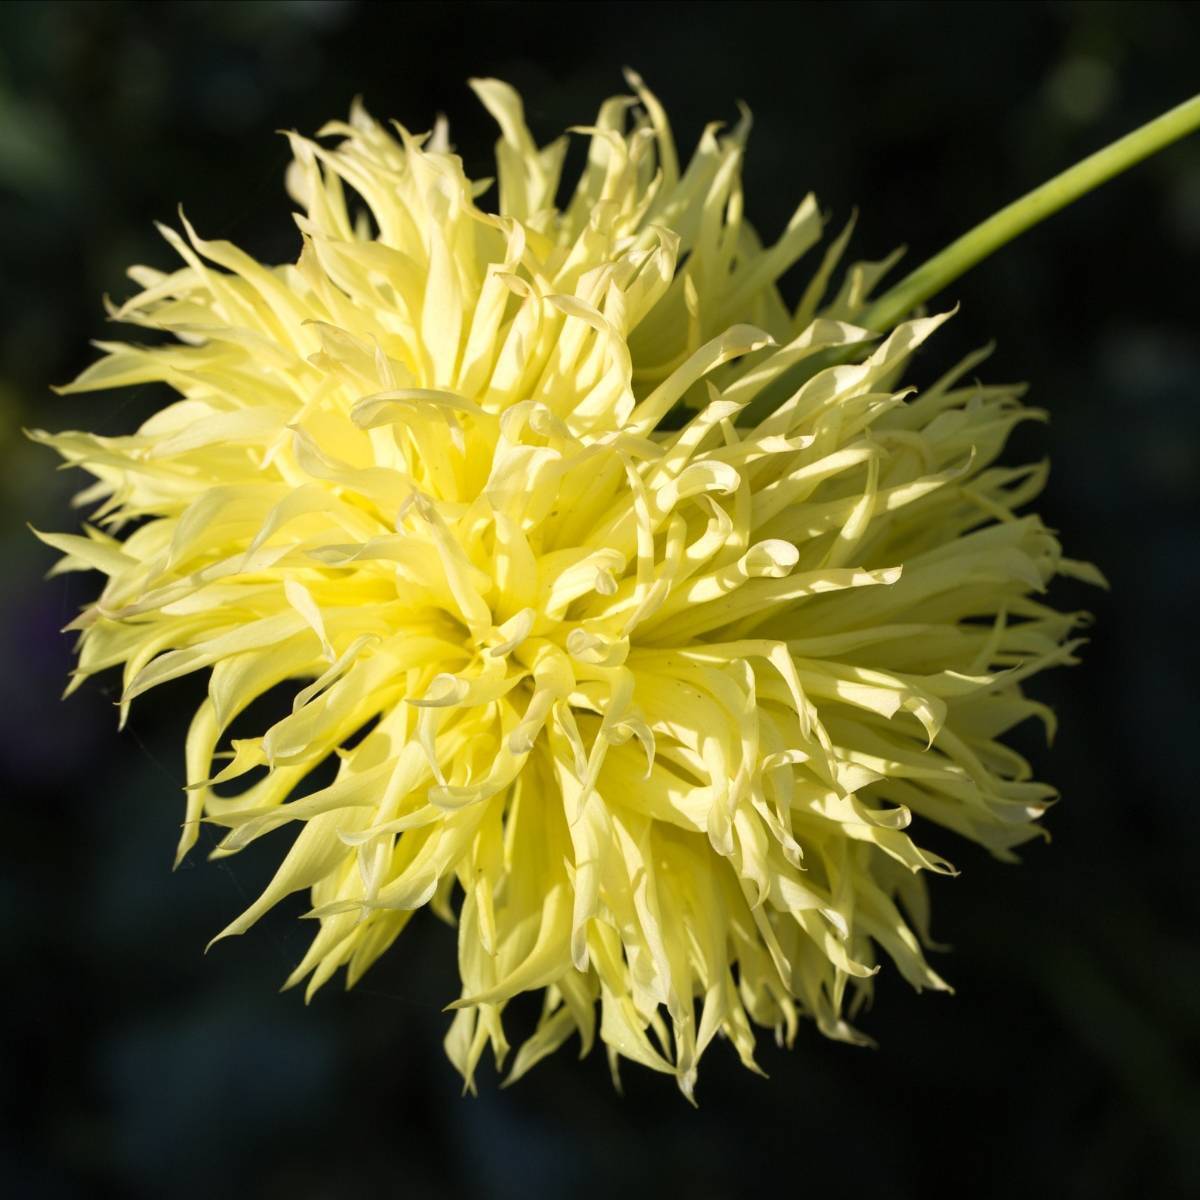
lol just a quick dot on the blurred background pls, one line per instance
(1068, 1060)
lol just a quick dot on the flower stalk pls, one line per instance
(1035, 206)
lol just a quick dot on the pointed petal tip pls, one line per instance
(228, 931)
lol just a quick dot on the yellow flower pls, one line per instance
(644, 702)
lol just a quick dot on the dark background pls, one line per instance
(1067, 1062)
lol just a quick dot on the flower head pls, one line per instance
(646, 702)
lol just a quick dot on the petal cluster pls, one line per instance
(641, 614)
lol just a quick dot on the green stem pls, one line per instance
(957, 258)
